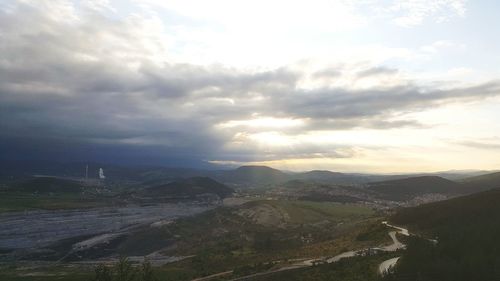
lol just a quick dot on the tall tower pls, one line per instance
(86, 173)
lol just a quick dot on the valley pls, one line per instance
(188, 140)
(197, 228)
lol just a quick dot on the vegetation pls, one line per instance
(49, 193)
(123, 271)
(467, 230)
(147, 273)
(260, 235)
(482, 183)
(49, 185)
(191, 187)
(349, 269)
(408, 188)
(20, 201)
(103, 273)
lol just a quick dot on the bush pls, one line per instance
(123, 271)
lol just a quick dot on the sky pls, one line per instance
(385, 86)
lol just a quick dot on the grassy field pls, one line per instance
(310, 212)
(45, 273)
(20, 201)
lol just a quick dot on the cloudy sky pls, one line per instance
(366, 86)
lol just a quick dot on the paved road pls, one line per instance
(386, 265)
(401, 230)
(383, 268)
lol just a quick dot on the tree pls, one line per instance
(124, 270)
(102, 273)
(147, 272)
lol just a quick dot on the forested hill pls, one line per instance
(408, 188)
(467, 230)
(190, 187)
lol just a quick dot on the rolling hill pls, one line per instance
(408, 188)
(253, 175)
(481, 183)
(334, 177)
(188, 188)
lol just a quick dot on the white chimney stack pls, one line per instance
(101, 174)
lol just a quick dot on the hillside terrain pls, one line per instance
(467, 232)
(273, 220)
(129, 177)
(248, 238)
(408, 188)
(481, 183)
(322, 192)
(188, 188)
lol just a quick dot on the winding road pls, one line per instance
(387, 265)
(384, 267)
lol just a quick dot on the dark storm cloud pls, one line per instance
(346, 103)
(248, 154)
(93, 82)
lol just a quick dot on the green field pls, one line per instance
(309, 212)
(21, 201)
(45, 273)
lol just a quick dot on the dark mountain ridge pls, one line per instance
(406, 189)
(466, 230)
(481, 183)
(252, 175)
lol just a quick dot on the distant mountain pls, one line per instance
(481, 183)
(320, 175)
(263, 175)
(188, 188)
(408, 188)
(257, 175)
(48, 185)
(334, 177)
(126, 176)
(454, 175)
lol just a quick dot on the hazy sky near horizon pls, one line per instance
(365, 86)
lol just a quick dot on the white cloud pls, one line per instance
(443, 46)
(98, 5)
(408, 13)
(143, 80)
(268, 16)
